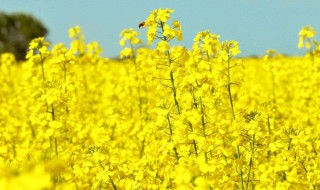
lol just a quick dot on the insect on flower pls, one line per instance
(141, 24)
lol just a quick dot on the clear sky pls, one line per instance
(257, 25)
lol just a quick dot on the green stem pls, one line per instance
(112, 183)
(170, 127)
(289, 143)
(65, 80)
(208, 57)
(202, 119)
(56, 146)
(52, 113)
(171, 133)
(251, 161)
(248, 175)
(142, 148)
(136, 77)
(269, 127)
(241, 174)
(194, 142)
(203, 126)
(195, 147)
(233, 118)
(14, 149)
(110, 179)
(32, 130)
(174, 90)
(174, 93)
(55, 139)
(229, 91)
(42, 68)
(64, 71)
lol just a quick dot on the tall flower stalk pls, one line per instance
(158, 28)
(231, 48)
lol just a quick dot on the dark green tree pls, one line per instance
(17, 30)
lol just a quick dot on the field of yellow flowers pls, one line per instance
(162, 118)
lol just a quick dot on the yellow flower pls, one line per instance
(126, 52)
(151, 34)
(235, 49)
(37, 43)
(178, 33)
(223, 56)
(164, 15)
(151, 20)
(33, 44)
(74, 32)
(168, 32)
(163, 46)
(176, 24)
(131, 35)
(305, 34)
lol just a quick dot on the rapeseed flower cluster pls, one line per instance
(162, 118)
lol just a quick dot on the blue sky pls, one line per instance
(257, 25)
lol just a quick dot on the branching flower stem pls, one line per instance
(136, 77)
(233, 118)
(173, 87)
(52, 107)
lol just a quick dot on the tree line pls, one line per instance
(17, 30)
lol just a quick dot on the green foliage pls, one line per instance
(17, 30)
